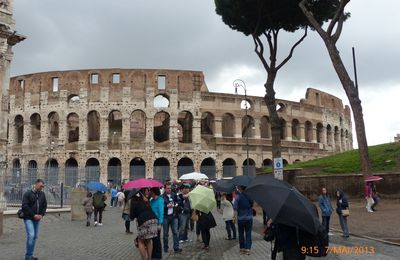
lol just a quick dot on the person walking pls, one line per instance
(228, 216)
(325, 205)
(114, 193)
(368, 196)
(126, 209)
(206, 222)
(99, 205)
(375, 197)
(218, 198)
(34, 206)
(157, 205)
(244, 212)
(88, 205)
(342, 204)
(120, 198)
(184, 214)
(170, 218)
(147, 226)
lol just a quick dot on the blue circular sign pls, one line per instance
(278, 164)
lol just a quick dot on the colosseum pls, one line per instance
(118, 124)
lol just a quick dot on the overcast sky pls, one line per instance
(187, 34)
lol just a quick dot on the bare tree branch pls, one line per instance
(259, 50)
(335, 37)
(292, 49)
(338, 15)
(312, 19)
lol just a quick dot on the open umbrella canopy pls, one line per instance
(132, 192)
(202, 199)
(95, 185)
(224, 186)
(194, 176)
(284, 203)
(373, 178)
(242, 180)
(141, 183)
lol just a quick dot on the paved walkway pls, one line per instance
(62, 239)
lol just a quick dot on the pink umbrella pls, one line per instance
(373, 178)
(141, 183)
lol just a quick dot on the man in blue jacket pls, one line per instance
(170, 218)
(326, 208)
(34, 206)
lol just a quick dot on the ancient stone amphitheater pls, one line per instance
(117, 124)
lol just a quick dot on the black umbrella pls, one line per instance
(242, 180)
(284, 203)
(224, 186)
(132, 192)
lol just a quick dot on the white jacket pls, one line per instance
(227, 210)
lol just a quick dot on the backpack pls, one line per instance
(318, 243)
(98, 200)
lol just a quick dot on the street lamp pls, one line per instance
(50, 148)
(238, 83)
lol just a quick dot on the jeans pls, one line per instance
(183, 221)
(157, 251)
(32, 233)
(343, 224)
(229, 225)
(170, 221)
(88, 216)
(205, 236)
(113, 202)
(245, 227)
(325, 222)
(98, 211)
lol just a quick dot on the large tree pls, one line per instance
(263, 20)
(330, 36)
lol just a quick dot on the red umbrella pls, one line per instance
(141, 183)
(373, 178)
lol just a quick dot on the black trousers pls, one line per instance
(205, 235)
(157, 250)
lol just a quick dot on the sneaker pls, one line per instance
(100, 224)
(228, 238)
(188, 240)
(181, 241)
(95, 223)
(370, 210)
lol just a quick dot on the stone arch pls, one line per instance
(92, 170)
(185, 121)
(137, 169)
(73, 100)
(71, 172)
(93, 127)
(161, 101)
(248, 126)
(320, 132)
(297, 161)
(114, 171)
(228, 125)
(138, 125)
(207, 123)
(295, 129)
(267, 162)
(51, 172)
(185, 165)
(329, 134)
(35, 126)
(73, 127)
(285, 162)
(32, 172)
(265, 127)
(19, 129)
(115, 126)
(208, 167)
(16, 171)
(54, 124)
(228, 168)
(249, 168)
(283, 129)
(336, 137)
(161, 168)
(161, 127)
(308, 130)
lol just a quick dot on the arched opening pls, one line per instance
(207, 123)
(228, 125)
(297, 161)
(114, 171)
(295, 129)
(342, 140)
(346, 134)
(265, 127)
(248, 126)
(249, 168)
(329, 134)
(93, 121)
(16, 171)
(267, 162)
(35, 127)
(161, 127)
(92, 170)
(308, 131)
(51, 172)
(161, 170)
(71, 172)
(285, 162)
(336, 138)
(245, 104)
(73, 99)
(208, 168)
(281, 108)
(185, 120)
(138, 125)
(161, 101)
(137, 169)
(228, 168)
(73, 127)
(19, 129)
(114, 128)
(185, 165)
(283, 129)
(54, 125)
(32, 172)
(320, 132)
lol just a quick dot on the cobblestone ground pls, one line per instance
(62, 239)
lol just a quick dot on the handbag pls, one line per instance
(269, 234)
(345, 212)
(194, 216)
(20, 214)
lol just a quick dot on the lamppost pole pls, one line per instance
(240, 83)
(50, 157)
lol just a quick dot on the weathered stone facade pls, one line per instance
(132, 123)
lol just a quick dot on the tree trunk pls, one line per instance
(355, 103)
(270, 101)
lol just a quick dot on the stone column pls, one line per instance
(126, 127)
(27, 132)
(238, 128)
(314, 134)
(104, 131)
(257, 130)
(196, 133)
(288, 132)
(218, 127)
(302, 132)
(149, 134)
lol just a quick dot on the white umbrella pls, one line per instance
(194, 176)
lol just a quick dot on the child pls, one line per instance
(88, 205)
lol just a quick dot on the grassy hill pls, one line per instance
(384, 158)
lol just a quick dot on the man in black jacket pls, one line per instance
(34, 206)
(170, 218)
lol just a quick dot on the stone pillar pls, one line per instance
(77, 211)
(104, 131)
(149, 134)
(288, 132)
(126, 127)
(196, 133)
(27, 132)
(238, 128)
(302, 132)
(62, 136)
(257, 130)
(314, 134)
(83, 131)
(218, 127)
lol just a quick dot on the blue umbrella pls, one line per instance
(95, 185)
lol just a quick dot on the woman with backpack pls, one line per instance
(228, 216)
(341, 205)
(99, 204)
(88, 205)
(206, 221)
